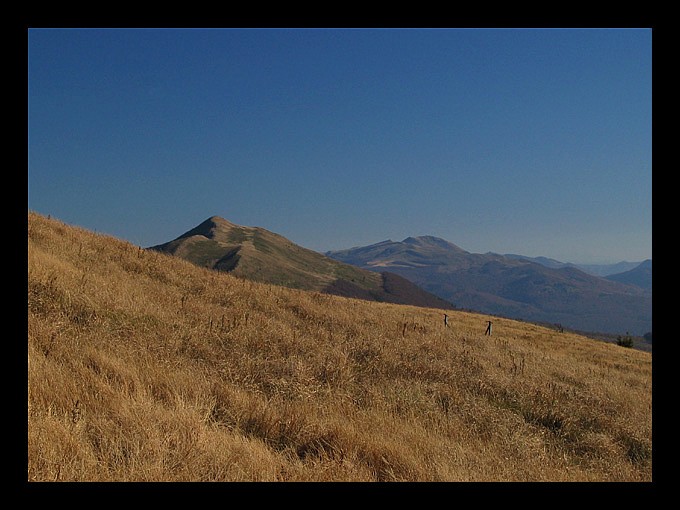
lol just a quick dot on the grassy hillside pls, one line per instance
(260, 255)
(143, 366)
(263, 256)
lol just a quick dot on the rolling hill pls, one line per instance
(510, 286)
(263, 256)
(144, 367)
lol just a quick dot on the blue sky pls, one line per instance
(529, 141)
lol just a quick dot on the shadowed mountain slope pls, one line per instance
(640, 276)
(510, 287)
(260, 255)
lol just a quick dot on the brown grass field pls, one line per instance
(144, 367)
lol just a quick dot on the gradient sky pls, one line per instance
(531, 141)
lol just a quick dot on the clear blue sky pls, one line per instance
(530, 141)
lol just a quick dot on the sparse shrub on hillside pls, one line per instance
(624, 341)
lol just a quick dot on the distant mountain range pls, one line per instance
(258, 254)
(594, 269)
(640, 275)
(632, 273)
(534, 289)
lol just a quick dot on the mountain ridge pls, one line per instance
(516, 287)
(640, 275)
(602, 270)
(261, 255)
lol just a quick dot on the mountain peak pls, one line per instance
(209, 228)
(219, 221)
(423, 240)
(258, 254)
(431, 242)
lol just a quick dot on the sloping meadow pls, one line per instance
(144, 367)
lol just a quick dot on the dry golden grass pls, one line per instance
(143, 367)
